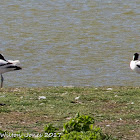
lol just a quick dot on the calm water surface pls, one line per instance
(70, 42)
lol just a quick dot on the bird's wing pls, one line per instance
(3, 62)
(138, 64)
(2, 57)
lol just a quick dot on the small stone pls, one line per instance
(41, 97)
(76, 98)
(108, 125)
(109, 88)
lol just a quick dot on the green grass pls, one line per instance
(115, 110)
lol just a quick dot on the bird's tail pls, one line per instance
(15, 62)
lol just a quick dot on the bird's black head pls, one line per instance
(136, 56)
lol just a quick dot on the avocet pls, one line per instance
(135, 63)
(6, 66)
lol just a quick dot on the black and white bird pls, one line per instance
(135, 63)
(7, 65)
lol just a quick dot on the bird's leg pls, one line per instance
(2, 79)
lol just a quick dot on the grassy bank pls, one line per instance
(116, 110)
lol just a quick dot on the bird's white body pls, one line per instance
(134, 66)
(135, 63)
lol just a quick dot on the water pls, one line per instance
(70, 42)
